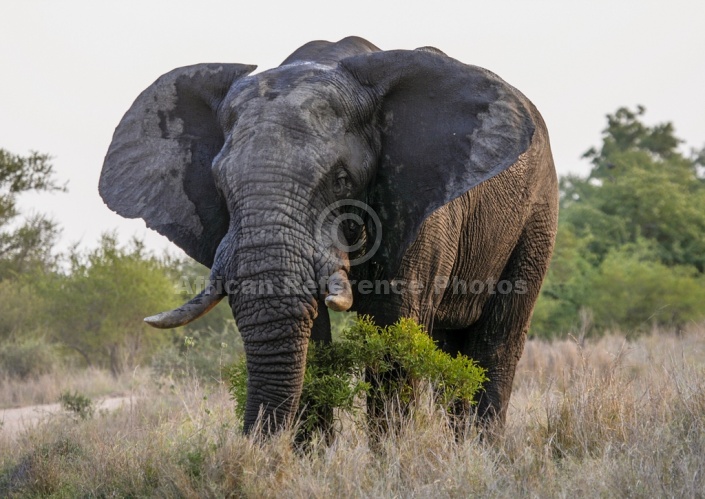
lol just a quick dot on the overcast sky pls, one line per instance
(70, 69)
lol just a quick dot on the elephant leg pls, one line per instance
(320, 332)
(497, 347)
(496, 340)
(452, 342)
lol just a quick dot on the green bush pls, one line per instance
(565, 288)
(77, 404)
(630, 289)
(402, 355)
(635, 292)
(97, 308)
(20, 307)
(26, 357)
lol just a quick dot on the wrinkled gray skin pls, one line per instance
(238, 169)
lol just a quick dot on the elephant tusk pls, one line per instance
(339, 296)
(196, 307)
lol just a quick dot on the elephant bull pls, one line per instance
(394, 183)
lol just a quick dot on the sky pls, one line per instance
(69, 70)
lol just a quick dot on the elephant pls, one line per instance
(393, 183)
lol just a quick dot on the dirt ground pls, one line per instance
(14, 421)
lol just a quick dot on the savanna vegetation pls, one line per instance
(630, 251)
(608, 418)
(82, 308)
(609, 398)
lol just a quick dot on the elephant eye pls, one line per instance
(352, 231)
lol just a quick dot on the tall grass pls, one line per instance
(46, 388)
(601, 418)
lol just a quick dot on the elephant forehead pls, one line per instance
(297, 87)
(286, 78)
(298, 119)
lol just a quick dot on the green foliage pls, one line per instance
(564, 291)
(631, 238)
(25, 357)
(97, 308)
(77, 404)
(20, 308)
(20, 174)
(638, 290)
(339, 322)
(640, 186)
(333, 380)
(406, 351)
(193, 461)
(203, 353)
(28, 245)
(91, 302)
(237, 378)
(335, 373)
(28, 248)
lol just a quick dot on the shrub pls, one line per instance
(20, 307)
(97, 308)
(402, 358)
(77, 404)
(634, 291)
(27, 357)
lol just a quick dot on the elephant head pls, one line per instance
(251, 174)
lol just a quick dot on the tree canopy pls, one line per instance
(90, 302)
(28, 243)
(97, 307)
(631, 238)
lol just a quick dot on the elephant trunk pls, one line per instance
(276, 361)
(274, 299)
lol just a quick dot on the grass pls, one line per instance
(47, 388)
(599, 418)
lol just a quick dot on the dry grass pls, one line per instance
(609, 418)
(46, 388)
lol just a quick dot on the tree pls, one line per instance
(634, 289)
(640, 186)
(25, 246)
(97, 308)
(631, 236)
(565, 289)
(28, 245)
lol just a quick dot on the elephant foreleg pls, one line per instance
(320, 332)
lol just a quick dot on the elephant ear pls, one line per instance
(158, 166)
(445, 128)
